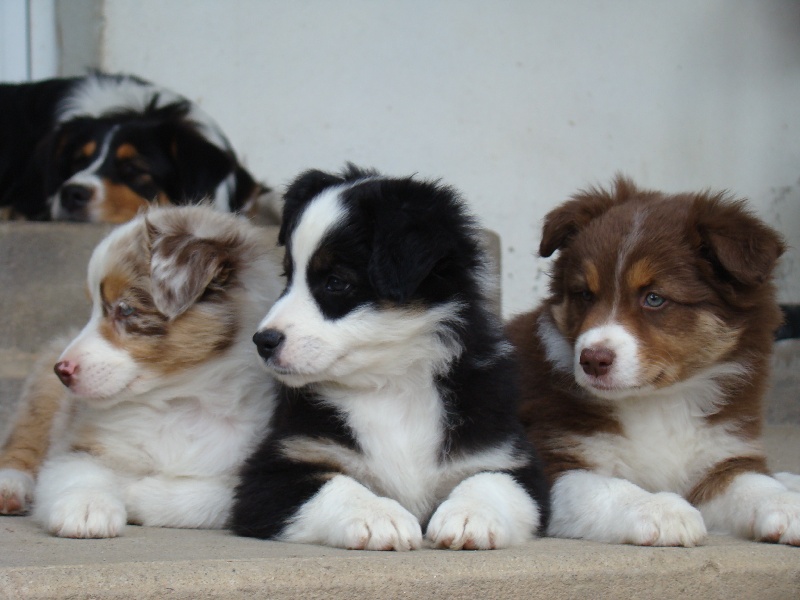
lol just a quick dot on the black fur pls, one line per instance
(40, 152)
(403, 242)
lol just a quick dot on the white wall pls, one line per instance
(516, 102)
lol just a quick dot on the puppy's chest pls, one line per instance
(400, 437)
(184, 440)
(664, 446)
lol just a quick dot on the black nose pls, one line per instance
(267, 341)
(75, 197)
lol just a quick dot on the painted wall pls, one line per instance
(518, 103)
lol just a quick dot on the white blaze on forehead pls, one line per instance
(320, 216)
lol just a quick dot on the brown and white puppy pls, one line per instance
(163, 396)
(645, 369)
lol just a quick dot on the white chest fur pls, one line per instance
(667, 441)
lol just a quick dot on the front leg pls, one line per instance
(607, 509)
(345, 514)
(305, 503)
(78, 498)
(189, 502)
(756, 506)
(484, 512)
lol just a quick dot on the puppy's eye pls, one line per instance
(653, 300)
(583, 295)
(123, 310)
(132, 169)
(337, 285)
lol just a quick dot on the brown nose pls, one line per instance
(65, 371)
(597, 361)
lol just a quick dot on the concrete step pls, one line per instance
(42, 294)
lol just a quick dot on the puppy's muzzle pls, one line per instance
(267, 342)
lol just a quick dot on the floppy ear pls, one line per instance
(734, 241)
(199, 165)
(409, 242)
(562, 223)
(183, 267)
(299, 193)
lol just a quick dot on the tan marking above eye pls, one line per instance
(127, 151)
(592, 277)
(112, 287)
(88, 149)
(640, 275)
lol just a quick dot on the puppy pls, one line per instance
(163, 396)
(398, 405)
(644, 371)
(103, 147)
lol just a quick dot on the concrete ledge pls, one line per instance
(154, 563)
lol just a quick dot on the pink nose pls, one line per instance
(597, 361)
(65, 371)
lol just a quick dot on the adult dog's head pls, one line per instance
(111, 146)
(379, 271)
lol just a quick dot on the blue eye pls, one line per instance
(124, 310)
(652, 300)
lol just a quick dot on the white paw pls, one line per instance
(16, 492)
(790, 480)
(665, 519)
(86, 515)
(463, 524)
(383, 525)
(777, 519)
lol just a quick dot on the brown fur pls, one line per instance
(169, 330)
(41, 403)
(708, 256)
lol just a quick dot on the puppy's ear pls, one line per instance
(562, 223)
(183, 267)
(734, 241)
(299, 193)
(198, 165)
(412, 238)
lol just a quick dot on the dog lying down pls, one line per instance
(398, 406)
(163, 394)
(645, 370)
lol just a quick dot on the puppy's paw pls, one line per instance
(16, 492)
(777, 519)
(665, 519)
(383, 525)
(463, 524)
(86, 515)
(790, 480)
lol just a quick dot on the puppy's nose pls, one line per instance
(65, 371)
(267, 341)
(597, 361)
(75, 197)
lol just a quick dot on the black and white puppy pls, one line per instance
(398, 410)
(106, 147)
